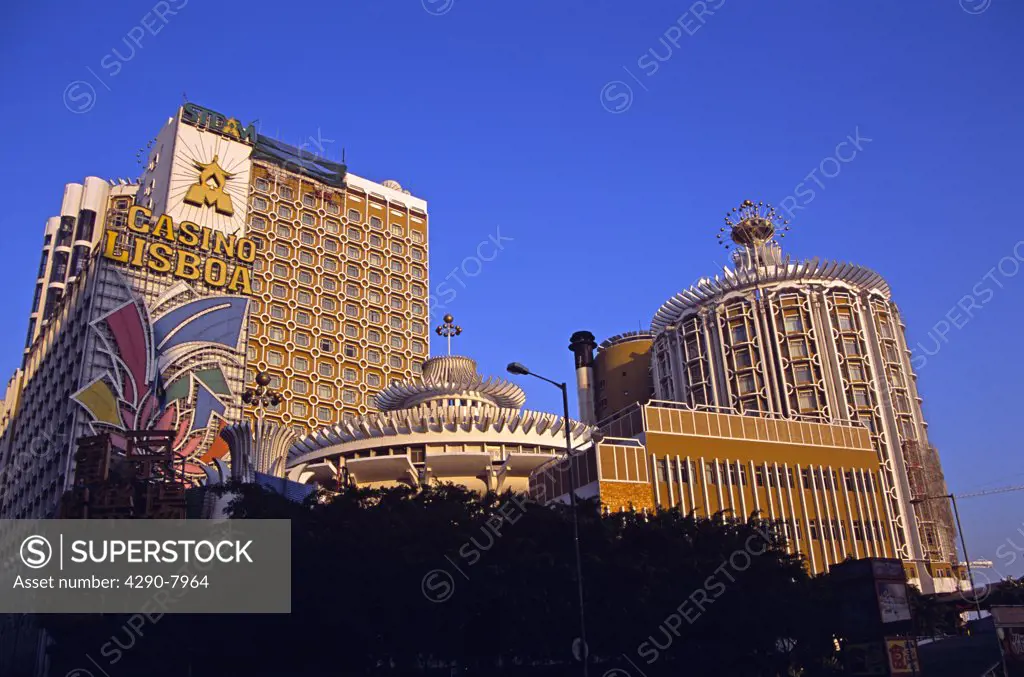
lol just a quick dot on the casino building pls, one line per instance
(158, 300)
(448, 425)
(780, 386)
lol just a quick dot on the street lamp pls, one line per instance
(520, 370)
(963, 542)
(261, 396)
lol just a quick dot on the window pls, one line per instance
(352, 310)
(373, 335)
(396, 322)
(274, 358)
(308, 219)
(259, 203)
(798, 348)
(351, 375)
(276, 333)
(418, 289)
(808, 401)
(743, 358)
(373, 380)
(356, 234)
(739, 333)
(745, 383)
(325, 391)
(330, 244)
(308, 200)
(330, 284)
(417, 254)
(397, 266)
(328, 304)
(302, 339)
(285, 212)
(281, 249)
(373, 355)
(328, 324)
(374, 316)
(417, 237)
(845, 320)
(286, 192)
(417, 308)
(417, 272)
(300, 386)
(376, 241)
(280, 270)
(350, 351)
(397, 342)
(349, 396)
(418, 327)
(326, 345)
(332, 207)
(353, 290)
(793, 322)
(332, 226)
(330, 264)
(307, 237)
(397, 302)
(305, 277)
(375, 277)
(351, 330)
(300, 363)
(303, 318)
(354, 215)
(396, 361)
(374, 296)
(326, 369)
(375, 259)
(323, 414)
(263, 185)
(856, 371)
(418, 347)
(397, 284)
(375, 222)
(300, 409)
(304, 298)
(284, 230)
(277, 311)
(802, 374)
(861, 398)
(851, 346)
(306, 258)
(398, 229)
(258, 222)
(353, 252)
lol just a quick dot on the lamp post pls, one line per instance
(520, 370)
(261, 396)
(963, 542)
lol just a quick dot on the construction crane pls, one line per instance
(989, 492)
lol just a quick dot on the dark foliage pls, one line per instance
(390, 582)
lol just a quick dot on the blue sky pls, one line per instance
(514, 118)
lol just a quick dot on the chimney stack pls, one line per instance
(582, 345)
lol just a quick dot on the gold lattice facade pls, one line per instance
(340, 293)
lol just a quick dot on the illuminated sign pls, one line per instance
(204, 118)
(209, 189)
(187, 251)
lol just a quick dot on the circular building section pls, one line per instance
(449, 425)
(814, 340)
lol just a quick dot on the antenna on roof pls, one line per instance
(343, 155)
(184, 98)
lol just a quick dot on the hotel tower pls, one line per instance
(784, 387)
(158, 301)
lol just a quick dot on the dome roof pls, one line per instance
(706, 292)
(451, 376)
